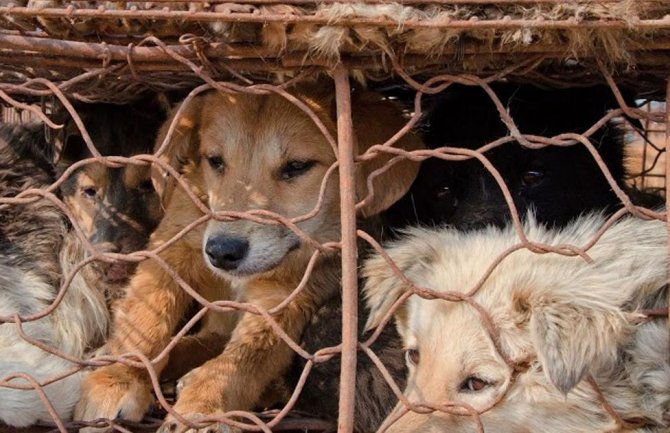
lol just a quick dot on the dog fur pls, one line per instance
(39, 233)
(244, 152)
(465, 196)
(116, 207)
(557, 182)
(560, 319)
(117, 217)
(374, 399)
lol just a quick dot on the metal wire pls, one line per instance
(63, 43)
(88, 71)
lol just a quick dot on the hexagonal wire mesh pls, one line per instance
(455, 154)
(652, 152)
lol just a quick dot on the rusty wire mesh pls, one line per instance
(147, 44)
(454, 154)
(189, 68)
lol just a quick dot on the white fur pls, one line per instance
(562, 317)
(77, 324)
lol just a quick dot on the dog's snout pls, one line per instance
(226, 252)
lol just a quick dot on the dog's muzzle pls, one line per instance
(226, 252)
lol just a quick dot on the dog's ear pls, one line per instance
(412, 254)
(68, 140)
(375, 121)
(572, 337)
(382, 289)
(182, 146)
(579, 324)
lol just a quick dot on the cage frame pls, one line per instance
(149, 54)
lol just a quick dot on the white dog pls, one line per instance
(79, 320)
(561, 320)
(36, 249)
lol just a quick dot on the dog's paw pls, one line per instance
(113, 392)
(172, 425)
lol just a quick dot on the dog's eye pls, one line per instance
(443, 192)
(146, 186)
(89, 192)
(295, 168)
(216, 162)
(412, 356)
(473, 384)
(532, 177)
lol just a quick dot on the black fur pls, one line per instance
(559, 183)
(374, 398)
(125, 215)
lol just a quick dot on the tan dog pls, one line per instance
(116, 208)
(245, 152)
(559, 319)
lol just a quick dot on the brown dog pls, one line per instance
(116, 208)
(244, 152)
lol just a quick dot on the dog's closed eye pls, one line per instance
(295, 168)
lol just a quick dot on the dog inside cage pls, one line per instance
(326, 217)
(226, 247)
(103, 209)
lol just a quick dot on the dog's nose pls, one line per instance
(226, 252)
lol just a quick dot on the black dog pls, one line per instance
(558, 183)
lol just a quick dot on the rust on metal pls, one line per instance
(35, 65)
(345, 156)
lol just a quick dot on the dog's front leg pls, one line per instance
(236, 379)
(191, 352)
(144, 323)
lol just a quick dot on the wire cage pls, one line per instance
(57, 57)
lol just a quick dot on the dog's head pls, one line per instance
(466, 195)
(560, 318)
(263, 153)
(117, 208)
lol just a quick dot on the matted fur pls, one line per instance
(330, 40)
(334, 38)
(562, 317)
(36, 246)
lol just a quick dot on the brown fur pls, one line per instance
(255, 136)
(116, 218)
(116, 208)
